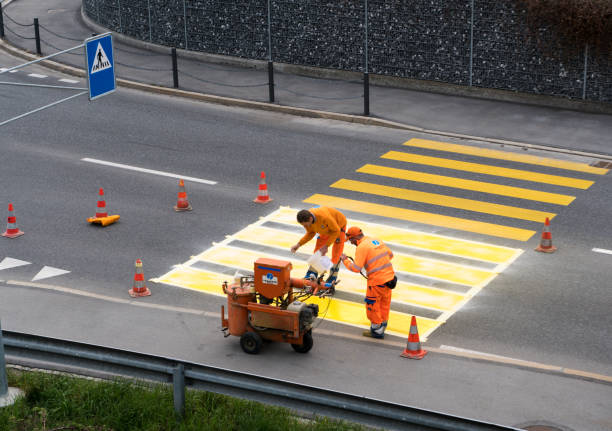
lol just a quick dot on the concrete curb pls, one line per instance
(303, 112)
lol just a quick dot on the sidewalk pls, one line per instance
(62, 27)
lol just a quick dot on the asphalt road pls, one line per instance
(552, 309)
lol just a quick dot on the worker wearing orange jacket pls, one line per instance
(330, 224)
(375, 257)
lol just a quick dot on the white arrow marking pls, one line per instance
(49, 271)
(9, 262)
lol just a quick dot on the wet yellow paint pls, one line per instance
(505, 155)
(423, 217)
(444, 271)
(460, 183)
(195, 279)
(406, 293)
(355, 314)
(443, 200)
(421, 240)
(488, 170)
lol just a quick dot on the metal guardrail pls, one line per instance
(92, 360)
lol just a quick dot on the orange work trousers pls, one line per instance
(337, 248)
(378, 303)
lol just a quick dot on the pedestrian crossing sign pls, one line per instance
(100, 65)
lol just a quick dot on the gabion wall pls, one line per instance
(430, 40)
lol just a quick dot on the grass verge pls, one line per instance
(55, 402)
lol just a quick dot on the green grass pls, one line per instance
(59, 402)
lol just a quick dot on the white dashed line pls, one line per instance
(148, 171)
(602, 250)
(69, 81)
(36, 75)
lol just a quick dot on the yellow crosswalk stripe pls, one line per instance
(407, 293)
(354, 314)
(459, 183)
(338, 310)
(488, 170)
(421, 266)
(422, 217)
(443, 200)
(420, 240)
(505, 155)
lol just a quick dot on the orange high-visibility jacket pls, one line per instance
(328, 222)
(373, 255)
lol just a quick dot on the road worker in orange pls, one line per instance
(375, 257)
(330, 224)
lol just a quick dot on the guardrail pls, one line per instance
(99, 361)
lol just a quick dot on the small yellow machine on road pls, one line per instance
(269, 305)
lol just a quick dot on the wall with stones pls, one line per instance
(431, 40)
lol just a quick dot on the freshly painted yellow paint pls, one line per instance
(407, 293)
(330, 309)
(195, 279)
(354, 314)
(440, 270)
(459, 183)
(488, 170)
(505, 155)
(421, 240)
(423, 217)
(443, 200)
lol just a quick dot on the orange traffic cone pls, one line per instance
(262, 194)
(182, 204)
(413, 349)
(12, 231)
(139, 288)
(102, 218)
(546, 241)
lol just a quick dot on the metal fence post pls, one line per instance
(584, 79)
(366, 76)
(174, 68)
(270, 64)
(185, 21)
(37, 36)
(178, 384)
(149, 11)
(3, 380)
(1, 22)
(471, 41)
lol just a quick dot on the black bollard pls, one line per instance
(37, 36)
(175, 68)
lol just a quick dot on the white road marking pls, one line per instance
(13, 71)
(602, 250)
(148, 171)
(2, 69)
(9, 262)
(36, 75)
(475, 352)
(69, 81)
(49, 271)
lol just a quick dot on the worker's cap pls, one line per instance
(353, 232)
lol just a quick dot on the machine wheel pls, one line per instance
(306, 345)
(251, 342)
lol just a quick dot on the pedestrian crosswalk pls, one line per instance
(438, 274)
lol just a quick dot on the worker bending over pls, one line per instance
(330, 224)
(373, 255)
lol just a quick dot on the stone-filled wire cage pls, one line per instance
(479, 43)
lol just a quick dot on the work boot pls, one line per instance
(376, 331)
(311, 275)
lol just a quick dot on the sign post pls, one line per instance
(100, 65)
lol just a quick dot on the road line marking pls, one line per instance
(446, 245)
(69, 81)
(475, 352)
(602, 250)
(49, 271)
(497, 171)
(423, 217)
(36, 75)
(111, 298)
(505, 155)
(443, 200)
(460, 183)
(148, 171)
(9, 262)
